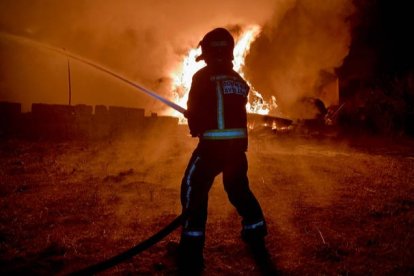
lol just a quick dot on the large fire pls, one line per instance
(183, 75)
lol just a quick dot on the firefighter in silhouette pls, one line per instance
(217, 116)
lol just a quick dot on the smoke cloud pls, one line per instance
(146, 40)
(299, 50)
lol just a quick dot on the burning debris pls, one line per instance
(280, 50)
(291, 51)
(311, 114)
(264, 123)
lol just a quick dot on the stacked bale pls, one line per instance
(101, 126)
(82, 127)
(125, 120)
(164, 124)
(10, 118)
(63, 122)
(52, 121)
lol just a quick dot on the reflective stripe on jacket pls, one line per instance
(217, 104)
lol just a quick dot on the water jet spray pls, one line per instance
(96, 66)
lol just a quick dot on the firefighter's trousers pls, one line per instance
(203, 167)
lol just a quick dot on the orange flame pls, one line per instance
(182, 77)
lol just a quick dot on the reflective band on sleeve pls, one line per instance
(254, 225)
(193, 233)
(223, 77)
(223, 134)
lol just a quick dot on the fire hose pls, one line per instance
(90, 270)
(163, 232)
(96, 66)
(160, 234)
(133, 84)
(167, 229)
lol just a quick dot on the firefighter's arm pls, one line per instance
(193, 114)
(192, 123)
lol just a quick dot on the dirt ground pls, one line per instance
(333, 206)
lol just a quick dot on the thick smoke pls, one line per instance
(146, 40)
(143, 40)
(298, 50)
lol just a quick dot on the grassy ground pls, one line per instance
(333, 207)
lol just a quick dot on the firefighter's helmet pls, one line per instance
(217, 44)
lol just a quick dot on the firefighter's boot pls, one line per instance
(190, 255)
(254, 236)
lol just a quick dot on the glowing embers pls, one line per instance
(182, 77)
(258, 105)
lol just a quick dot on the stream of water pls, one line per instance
(68, 54)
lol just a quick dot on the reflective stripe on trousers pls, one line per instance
(253, 225)
(189, 233)
(188, 185)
